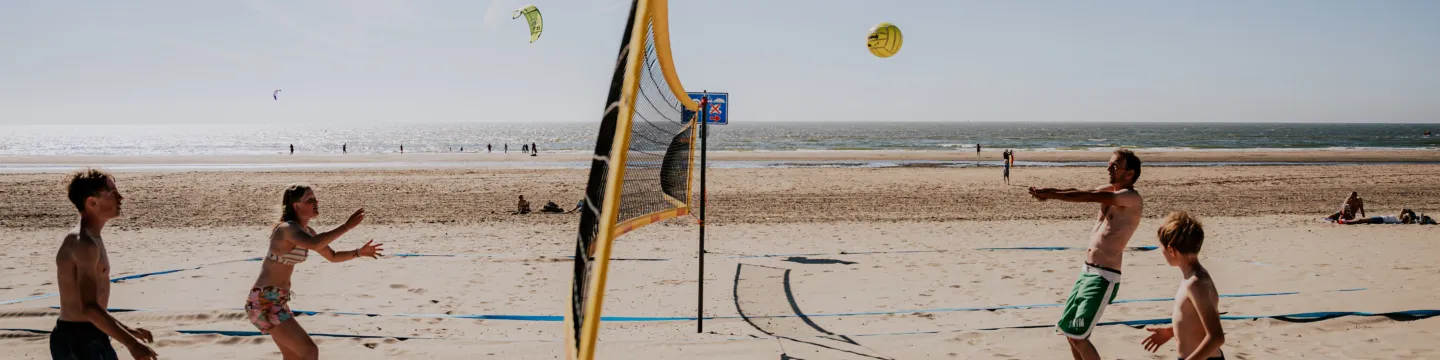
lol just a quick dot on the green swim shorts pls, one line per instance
(1094, 290)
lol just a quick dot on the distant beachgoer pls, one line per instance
(524, 148)
(488, 148)
(1406, 216)
(1120, 210)
(507, 148)
(522, 206)
(291, 241)
(533, 149)
(342, 148)
(1352, 205)
(578, 206)
(1006, 162)
(977, 150)
(462, 149)
(84, 328)
(402, 149)
(292, 149)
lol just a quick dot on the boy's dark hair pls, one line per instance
(1132, 162)
(86, 183)
(1182, 233)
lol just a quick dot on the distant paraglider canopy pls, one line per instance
(532, 15)
(276, 94)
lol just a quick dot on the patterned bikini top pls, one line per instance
(296, 254)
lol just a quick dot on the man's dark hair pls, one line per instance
(1132, 162)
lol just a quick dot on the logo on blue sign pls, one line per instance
(718, 107)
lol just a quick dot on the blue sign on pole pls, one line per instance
(719, 107)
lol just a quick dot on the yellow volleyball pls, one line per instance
(884, 40)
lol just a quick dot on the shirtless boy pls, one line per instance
(85, 327)
(1196, 318)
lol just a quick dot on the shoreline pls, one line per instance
(22, 164)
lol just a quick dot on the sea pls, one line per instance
(269, 139)
(151, 140)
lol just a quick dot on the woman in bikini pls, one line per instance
(290, 244)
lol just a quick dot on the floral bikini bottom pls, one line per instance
(268, 307)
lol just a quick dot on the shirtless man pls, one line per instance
(1120, 207)
(522, 206)
(83, 269)
(1352, 205)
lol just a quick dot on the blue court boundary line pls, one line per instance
(407, 255)
(558, 318)
(1295, 317)
(126, 277)
(1042, 248)
(163, 272)
(1407, 315)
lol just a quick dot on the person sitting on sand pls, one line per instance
(1407, 216)
(291, 241)
(522, 206)
(1352, 205)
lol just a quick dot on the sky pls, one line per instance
(392, 61)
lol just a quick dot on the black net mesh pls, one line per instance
(657, 165)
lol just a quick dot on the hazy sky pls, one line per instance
(368, 61)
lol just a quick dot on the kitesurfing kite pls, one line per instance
(532, 15)
(276, 94)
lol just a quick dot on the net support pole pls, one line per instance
(700, 300)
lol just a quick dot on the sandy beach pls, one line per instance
(881, 262)
(421, 160)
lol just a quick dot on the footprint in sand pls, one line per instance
(398, 286)
(417, 291)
